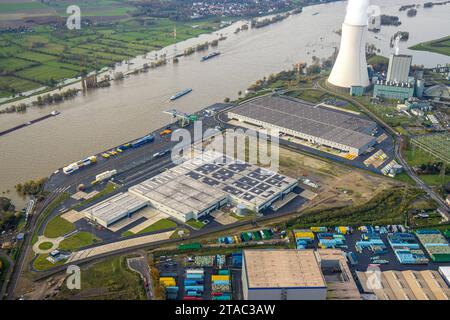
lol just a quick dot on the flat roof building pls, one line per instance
(391, 90)
(210, 180)
(317, 124)
(445, 273)
(405, 285)
(283, 274)
(113, 209)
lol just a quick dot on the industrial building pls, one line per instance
(393, 90)
(210, 180)
(350, 68)
(296, 275)
(405, 285)
(316, 124)
(399, 67)
(115, 208)
(445, 273)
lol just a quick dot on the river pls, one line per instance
(131, 108)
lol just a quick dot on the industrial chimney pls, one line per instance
(350, 68)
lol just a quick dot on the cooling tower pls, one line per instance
(350, 68)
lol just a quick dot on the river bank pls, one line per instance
(103, 118)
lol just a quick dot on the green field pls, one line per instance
(13, 7)
(45, 245)
(160, 225)
(108, 280)
(57, 227)
(441, 46)
(195, 224)
(41, 263)
(435, 146)
(389, 207)
(45, 56)
(4, 267)
(435, 179)
(77, 241)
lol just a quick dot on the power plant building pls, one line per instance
(391, 90)
(350, 68)
(316, 124)
(399, 67)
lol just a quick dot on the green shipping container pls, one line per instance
(447, 233)
(190, 246)
(245, 237)
(441, 258)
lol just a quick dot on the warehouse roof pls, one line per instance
(331, 125)
(209, 177)
(406, 285)
(178, 192)
(115, 207)
(282, 269)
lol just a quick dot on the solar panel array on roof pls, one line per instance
(198, 183)
(330, 125)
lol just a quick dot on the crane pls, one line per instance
(184, 119)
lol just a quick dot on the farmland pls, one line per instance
(48, 55)
(441, 46)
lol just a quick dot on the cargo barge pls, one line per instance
(52, 114)
(180, 94)
(210, 56)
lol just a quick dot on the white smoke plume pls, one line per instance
(357, 12)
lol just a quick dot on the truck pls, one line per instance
(161, 153)
(165, 132)
(104, 176)
(71, 168)
(144, 140)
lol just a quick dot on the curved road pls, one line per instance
(398, 139)
(72, 182)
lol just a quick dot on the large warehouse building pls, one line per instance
(205, 183)
(196, 188)
(113, 209)
(316, 124)
(283, 274)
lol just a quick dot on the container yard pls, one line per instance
(435, 244)
(390, 248)
(194, 284)
(407, 248)
(221, 285)
(198, 277)
(331, 240)
(258, 235)
(304, 239)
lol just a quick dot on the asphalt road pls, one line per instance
(26, 247)
(133, 159)
(140, 265)
(398, 142)
(59, 183)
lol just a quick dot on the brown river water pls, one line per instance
(131, 108)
